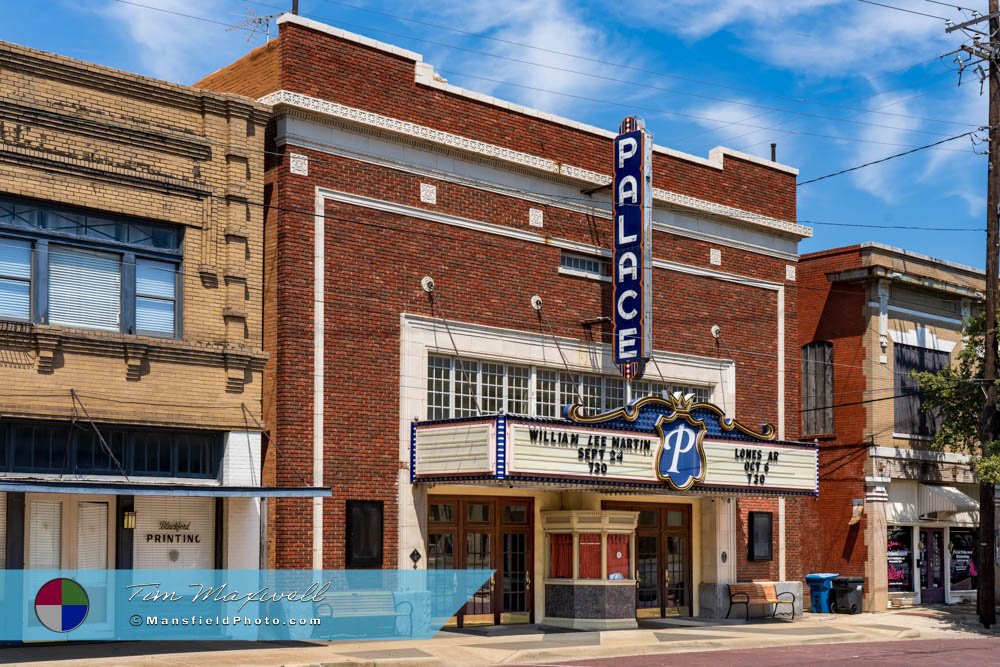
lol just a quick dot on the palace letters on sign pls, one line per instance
(633, 264)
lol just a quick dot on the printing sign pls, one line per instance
(633, 263)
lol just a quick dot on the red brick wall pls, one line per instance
(835, 312)
(374, 264)
(375, 260)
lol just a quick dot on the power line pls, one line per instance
(596, 100)
(900, 9)
(798, 100)
(679, 113)
(641, 84)
(951, 5)
(885, 159)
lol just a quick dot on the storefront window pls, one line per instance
(900, 558)
(477, 513)
(515, 514)
(962, 548)
(441, 513)
(590, 556)
(561, 556)
(618, 556)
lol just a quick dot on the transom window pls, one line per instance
(71, 268)
(456, 386)
(588, 266)
(60, 447)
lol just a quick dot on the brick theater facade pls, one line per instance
(379, 175)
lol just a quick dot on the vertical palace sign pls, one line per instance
(633, 261)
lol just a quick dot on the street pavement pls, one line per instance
(900, 653)
(918, 636)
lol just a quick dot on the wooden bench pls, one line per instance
(364, 604)
(759, 592)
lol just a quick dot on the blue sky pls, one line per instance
(835, 83)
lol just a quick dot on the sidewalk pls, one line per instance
(523, 644)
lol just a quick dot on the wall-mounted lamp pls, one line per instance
(128, 520)
(857, 509)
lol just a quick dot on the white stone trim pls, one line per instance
(319, 361)
(576, 273)
(298, 164)
(531, 237)
(428, 193)
(921, 338)
(557, 201)
(424, 133)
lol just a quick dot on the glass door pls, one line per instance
(677, 568)
(489, 534)
(479, 540)
(515, 569)
(931, 563)
(663, 559)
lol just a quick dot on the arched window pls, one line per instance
(817, 388)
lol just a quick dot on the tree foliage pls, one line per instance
(956, 394)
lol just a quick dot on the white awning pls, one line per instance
(939, 501)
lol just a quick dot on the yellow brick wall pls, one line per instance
(81, 135)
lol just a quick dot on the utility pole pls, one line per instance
(987, 508)
(987, 51)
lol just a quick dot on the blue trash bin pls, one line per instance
(820, 586)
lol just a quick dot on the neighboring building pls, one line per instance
(381, 174)
(131, 248)
(890, 510)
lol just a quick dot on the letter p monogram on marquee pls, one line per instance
(681, 460)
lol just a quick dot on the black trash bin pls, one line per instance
(847, 595)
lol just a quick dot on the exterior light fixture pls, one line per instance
(128, 521)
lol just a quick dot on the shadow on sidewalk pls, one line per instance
(959, 617)
(51, 652)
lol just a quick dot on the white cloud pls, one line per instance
(813, 37)
(546, 29)
(175, 47)
(885, 181)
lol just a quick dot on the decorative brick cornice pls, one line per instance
(40, 63)
(59, 163)
(394, 126)
(137, 349)
(193, 147)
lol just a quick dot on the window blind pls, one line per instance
(92, 536)
(155, 284)
(45, 535)
(15, 278)
(84, 288)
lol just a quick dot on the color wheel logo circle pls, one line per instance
(61, 605)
